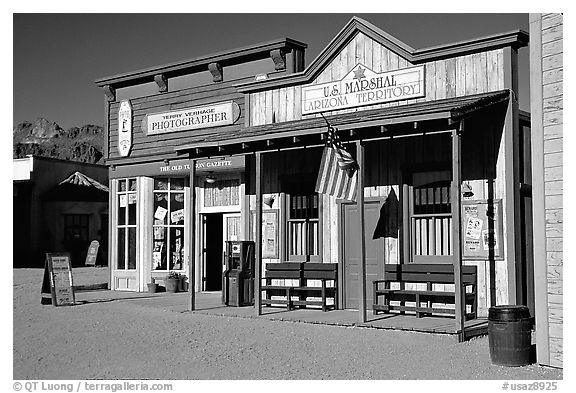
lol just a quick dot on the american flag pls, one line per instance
(338, 174)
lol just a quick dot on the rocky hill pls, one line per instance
(48, 139)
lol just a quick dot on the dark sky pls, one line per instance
(57, 57)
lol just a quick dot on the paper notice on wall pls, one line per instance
(472, 245)
(131, 198)
(160, 213)
(488, 240)
(474, 228)
(156, 259)
(471, 210)
(177, 215)
(123, 199)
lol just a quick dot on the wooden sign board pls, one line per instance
(58, 279)
(482, 230)
(92, 254)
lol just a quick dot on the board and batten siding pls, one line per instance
(448, 78)
(546, 63)
(163, 144)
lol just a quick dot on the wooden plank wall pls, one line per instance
(454, 77)
(552, 125)
(157, 145)
(460, 76)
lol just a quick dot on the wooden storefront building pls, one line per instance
(440, 142)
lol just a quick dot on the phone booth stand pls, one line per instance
(238, 276)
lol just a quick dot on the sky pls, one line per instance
(57, 57)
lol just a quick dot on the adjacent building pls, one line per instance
(546, 90)
(58, 205)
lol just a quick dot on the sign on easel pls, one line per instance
(58, 280)
(92, 254)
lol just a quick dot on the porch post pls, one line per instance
(455, 197)
(258, 240)
(192, 238)
(362, 267)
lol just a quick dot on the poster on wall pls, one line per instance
(482, 229)
(270, 234)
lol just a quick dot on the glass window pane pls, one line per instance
(132, 208)
(121, 249)
(122, 202)
(132, 184)
(177, 248)
(159, 249)
(160, 184)
(122, 185)
(131, 248)
(160, 207)
(176, 184)
(177, 208)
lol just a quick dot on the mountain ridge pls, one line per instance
(47, 139)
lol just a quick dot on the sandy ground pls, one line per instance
(120, 340)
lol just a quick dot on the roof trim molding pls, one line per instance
(230, 57)
(516, 39)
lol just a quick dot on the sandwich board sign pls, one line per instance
(58, 280)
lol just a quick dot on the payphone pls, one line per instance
(238, 275)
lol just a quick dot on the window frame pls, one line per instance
(168, 226)
(126, 226)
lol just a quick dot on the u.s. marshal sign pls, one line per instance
(362, 86)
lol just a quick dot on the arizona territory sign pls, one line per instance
(362, 86)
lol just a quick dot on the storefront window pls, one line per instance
(303, 216)
(126, 202)
(169, 216)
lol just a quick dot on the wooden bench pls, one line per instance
(302, 272)
(425, 300)
(281, 271)
(322, 272)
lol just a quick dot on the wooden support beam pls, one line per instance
(245, 146)
(216, 71)
(221, 149)
(295, 139)
(110, 92)
(269, 142)
(455, 199)
(162, 82)
(198, 150)
(322, 136)
(279, 58)
(383, 129)
(352, 132)
(258, 240)
(361, 232)
(192, 238)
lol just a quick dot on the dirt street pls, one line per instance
(121, 340)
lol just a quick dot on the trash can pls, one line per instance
(510, 335)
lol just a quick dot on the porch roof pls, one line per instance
(420, 117)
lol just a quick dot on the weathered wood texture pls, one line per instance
(452, 77)
(546, 52)
(159, 145)
(552, 109)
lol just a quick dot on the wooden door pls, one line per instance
(351, 250)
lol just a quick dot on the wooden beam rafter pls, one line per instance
(216, 71)
(279, 58)
(162, 82)
(110, 92)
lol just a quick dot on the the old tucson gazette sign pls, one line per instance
(213, 115)
(362, 86)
